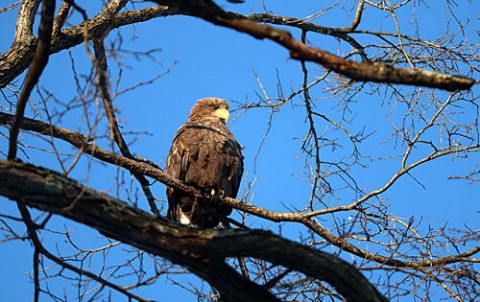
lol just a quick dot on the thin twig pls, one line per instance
(40, 249)
(100, 64)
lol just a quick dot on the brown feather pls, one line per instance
(204, 154)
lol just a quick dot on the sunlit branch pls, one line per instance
(365, 71)
(19, 56)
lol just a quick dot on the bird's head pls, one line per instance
(210, 108)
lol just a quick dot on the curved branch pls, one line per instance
(86, 144)
(364, 71)
(202, 251)
(136, 166)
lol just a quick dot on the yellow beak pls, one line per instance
(222, 113)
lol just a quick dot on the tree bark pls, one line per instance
(20, 54)
(202, 251)
(366, 71)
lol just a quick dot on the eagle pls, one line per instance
(205, 155)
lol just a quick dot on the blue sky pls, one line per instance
(204, 60)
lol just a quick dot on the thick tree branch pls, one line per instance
(19, 56)
(202, 251)
(61, 18)
(26, 18)
(364, 71)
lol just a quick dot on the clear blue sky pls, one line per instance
(208, 61)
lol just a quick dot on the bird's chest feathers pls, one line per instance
(211, 158)
(208, 153)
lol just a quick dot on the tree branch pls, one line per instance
(19, 56)
(86, 144)
(134, 166)
(39, 62)
(201, 251)
(32, 234)
(100, 65)
(364, 71)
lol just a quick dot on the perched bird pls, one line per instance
(205, 155)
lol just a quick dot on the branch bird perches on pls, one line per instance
(202, 251)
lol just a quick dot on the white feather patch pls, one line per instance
(184, 219)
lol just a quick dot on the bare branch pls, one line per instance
(100, 64)
(365, 71)
(207, 249)
(19, 56)
(39, 62)
(89, 147)
(134, 166)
